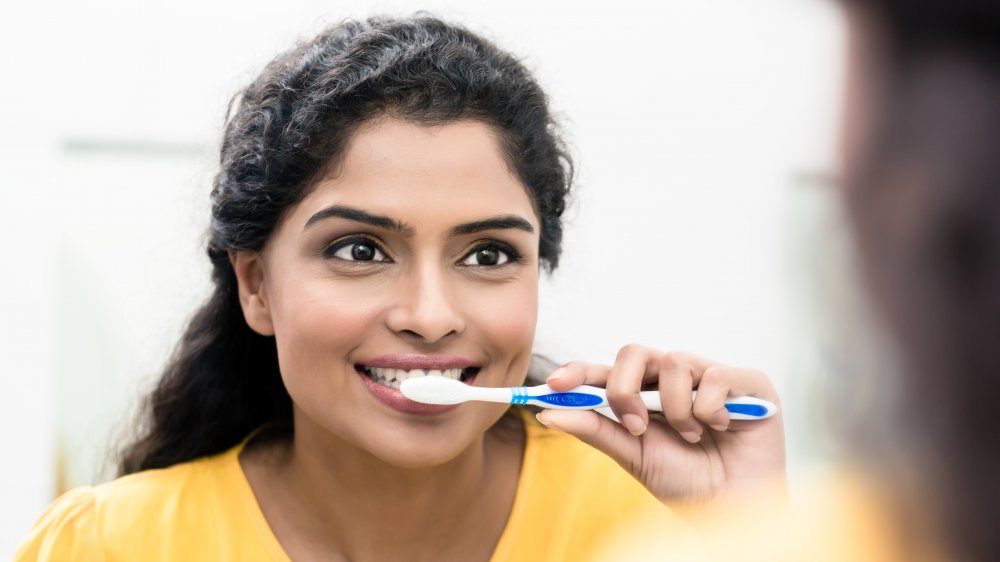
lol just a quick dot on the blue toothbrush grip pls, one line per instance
(581, 398)
(571, 399)
(752, 410)
(749, 408)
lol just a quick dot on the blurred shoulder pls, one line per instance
(840, 514)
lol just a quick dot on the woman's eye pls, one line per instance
(489, 256)
(357, 250)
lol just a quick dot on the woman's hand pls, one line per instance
(694, 453)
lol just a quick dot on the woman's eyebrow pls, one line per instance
(495, 223)
(358, 215)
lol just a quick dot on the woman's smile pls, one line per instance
(384, 374)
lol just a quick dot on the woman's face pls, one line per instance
(419, 252)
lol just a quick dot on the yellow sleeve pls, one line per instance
(67, 530)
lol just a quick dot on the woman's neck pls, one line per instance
(326, 499)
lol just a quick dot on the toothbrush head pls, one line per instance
(434, 390)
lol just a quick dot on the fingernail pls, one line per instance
(557, 374)
(542, 420)
(691, 436)
(719, 427)
(633, 424)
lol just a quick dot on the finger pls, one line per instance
(598, 432)
(575, 373)
(678, 373)
(624, 383)
(750, 382)
(713, 389)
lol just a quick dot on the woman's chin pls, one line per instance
(410, 441)
(411, 452)
(431, 442)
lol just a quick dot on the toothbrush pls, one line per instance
(441, 390)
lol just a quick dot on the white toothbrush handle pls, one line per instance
(651, 399)
(739, 407)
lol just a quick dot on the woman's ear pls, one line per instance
(249, 268)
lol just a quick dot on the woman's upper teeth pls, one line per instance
(403, 374)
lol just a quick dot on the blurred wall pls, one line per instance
(702, 131)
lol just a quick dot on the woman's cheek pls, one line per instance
(508, 318)
(515, 322)
(323, 325)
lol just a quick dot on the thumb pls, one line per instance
(598, 432)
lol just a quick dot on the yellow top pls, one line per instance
(571, 500)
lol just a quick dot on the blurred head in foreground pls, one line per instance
(922, 168)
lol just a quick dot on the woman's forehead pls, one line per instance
(460, 149)
(401, 169)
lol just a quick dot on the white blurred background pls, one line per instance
(703, 218)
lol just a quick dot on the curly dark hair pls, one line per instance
(293, 122)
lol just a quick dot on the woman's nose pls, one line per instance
(426, 307)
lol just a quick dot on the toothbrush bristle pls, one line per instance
(434, 390)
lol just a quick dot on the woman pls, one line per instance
(388, 195)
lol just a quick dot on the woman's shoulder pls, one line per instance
(563, 461)
(67, 530)
(93, 522)
(572, 499)
(159, 494)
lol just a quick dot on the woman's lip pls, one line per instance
(393, 398)
(419, 361)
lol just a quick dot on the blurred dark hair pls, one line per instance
(912, 26)
(289, 126)
(925, 203)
